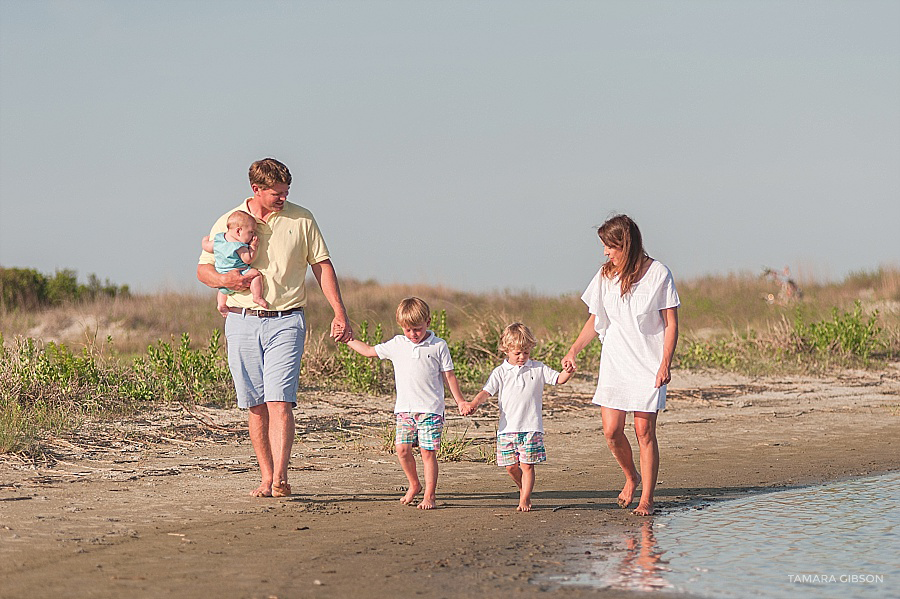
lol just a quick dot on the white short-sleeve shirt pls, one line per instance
(521, 390)
(417, 372)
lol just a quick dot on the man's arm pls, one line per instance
(233, 279)
(341, 330)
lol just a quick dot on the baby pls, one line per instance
(236, 248)
(519, 382)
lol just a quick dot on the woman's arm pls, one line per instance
(586, 335)
(670, 340)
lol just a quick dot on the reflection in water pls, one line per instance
(832, 541)
(642, 565)
(630, 560)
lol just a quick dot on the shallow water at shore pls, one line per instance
(835, 540)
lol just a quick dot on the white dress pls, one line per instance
(632, 332)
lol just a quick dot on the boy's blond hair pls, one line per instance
(517, 337)
(413, 312)
(268, 172)
(239, 218)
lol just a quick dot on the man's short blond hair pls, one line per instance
(413, 312)
(268, 172)
(242, 219)
(517, 337)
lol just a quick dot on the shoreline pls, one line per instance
(120, 515)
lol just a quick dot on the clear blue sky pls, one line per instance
(472, 144)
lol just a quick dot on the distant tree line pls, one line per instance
(26, 288)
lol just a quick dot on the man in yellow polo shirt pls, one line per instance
(265, 346)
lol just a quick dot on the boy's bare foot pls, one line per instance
(524, 506)
(264, 490)
(281, 489)
(411, 494)
(427, 503)
(644, 508)
(627, 494)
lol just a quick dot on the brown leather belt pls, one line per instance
(264, 313)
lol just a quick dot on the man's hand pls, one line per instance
(233, 279)
(341, 331)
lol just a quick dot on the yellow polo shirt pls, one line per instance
(287, 243)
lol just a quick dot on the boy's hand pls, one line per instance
(569, 366)
(466, 408)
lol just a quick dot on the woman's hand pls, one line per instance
(663, 376)
(568, 362)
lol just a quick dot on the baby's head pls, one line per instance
(413, 316)
(241, 226)
(516, 342)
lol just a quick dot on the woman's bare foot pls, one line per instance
(644, 508)
(411, 494)
(627, 495)
(281, 489)
(427, 503)
(264, 490)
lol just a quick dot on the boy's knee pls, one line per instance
(512, 468)
(404, 450)
(428, 454)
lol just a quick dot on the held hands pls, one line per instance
(341, 331)
(568, 362)
(466, 408)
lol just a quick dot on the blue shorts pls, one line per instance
(264, 356)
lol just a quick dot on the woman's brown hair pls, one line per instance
(622, 233)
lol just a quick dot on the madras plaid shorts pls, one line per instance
(527, 448)
(419, 428)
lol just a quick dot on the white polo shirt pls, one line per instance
(521, 390)
(417, 372)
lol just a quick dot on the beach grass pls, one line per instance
(116, 354)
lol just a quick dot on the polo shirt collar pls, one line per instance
(423, 343)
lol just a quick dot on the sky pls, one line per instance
(475, 145)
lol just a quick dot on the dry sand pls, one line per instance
(160, 507)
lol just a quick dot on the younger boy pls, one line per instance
(520, 382)
(422, 365)
(236, 248)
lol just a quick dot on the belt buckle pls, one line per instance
(266, 313)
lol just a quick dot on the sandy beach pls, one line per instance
(159, 507)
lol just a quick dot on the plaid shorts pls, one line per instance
(419, 428)
(527, 448)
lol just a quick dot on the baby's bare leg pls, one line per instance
(256, 288)
(408, 463)
(430, 466)
(220, 303)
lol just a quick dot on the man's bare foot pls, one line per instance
(627, 495)
(264, 490)
(411, 494)
(427, 503)
(644, 508)
(524, 506)
(281, 489)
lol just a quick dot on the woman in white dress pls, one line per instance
(633, 308)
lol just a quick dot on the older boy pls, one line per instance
(265, 346)
(422, 365)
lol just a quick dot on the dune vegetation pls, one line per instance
(73, 352)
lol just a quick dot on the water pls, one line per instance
(836, 540)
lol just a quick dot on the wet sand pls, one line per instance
(159, 507)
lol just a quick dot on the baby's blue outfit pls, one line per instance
(226, 254)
